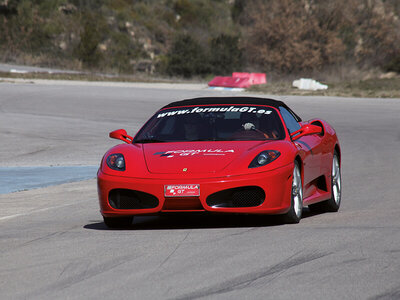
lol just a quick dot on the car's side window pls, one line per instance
(290, 121)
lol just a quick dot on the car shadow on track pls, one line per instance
(199, 221)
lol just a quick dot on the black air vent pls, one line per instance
(247, 196)
(130, 199)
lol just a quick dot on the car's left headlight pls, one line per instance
(116, 162)
(264, 158)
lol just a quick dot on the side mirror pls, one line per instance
(307, 129)
(121, 134)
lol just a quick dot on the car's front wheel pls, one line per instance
(296, 208)
(118, 222)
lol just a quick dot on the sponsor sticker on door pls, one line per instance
(182, 190)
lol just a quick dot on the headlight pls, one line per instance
(264, 158)
(116, 162)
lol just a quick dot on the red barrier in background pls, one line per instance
(240, 74)
(239, 80)
(255, 78)
(233, 82)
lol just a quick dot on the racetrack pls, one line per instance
(54, 245)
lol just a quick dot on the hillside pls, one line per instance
(199, 38)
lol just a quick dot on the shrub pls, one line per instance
(378, 35)
(285, 37)
(237, 10)
(29, 28)
(394, 64)
(186, 57)
(121, 52)
(194, 12)
(225, 55)
(92, 34)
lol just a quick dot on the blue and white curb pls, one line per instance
(14, 179)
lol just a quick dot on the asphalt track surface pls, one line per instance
(54, 245)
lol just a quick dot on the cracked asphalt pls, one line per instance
(54, 245)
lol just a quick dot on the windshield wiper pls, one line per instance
(146, 141)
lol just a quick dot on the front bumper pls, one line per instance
(275, 183)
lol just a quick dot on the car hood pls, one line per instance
(194, 157)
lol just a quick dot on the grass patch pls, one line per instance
(370, 88)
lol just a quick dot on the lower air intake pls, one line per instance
(130, 199)
(247, 196)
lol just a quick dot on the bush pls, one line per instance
(286, 37)
(378, 32)
(25, 29)
(121, 52)
(237, 10)
(186, 58)
(225, 55)
(91, 36)
(194, 12)
(393, 65)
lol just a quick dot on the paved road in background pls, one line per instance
(54, 245)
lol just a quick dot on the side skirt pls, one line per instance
(317, 191)
(318, 196)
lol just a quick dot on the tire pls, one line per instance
(119, 222)
(333, 204)
(294, 214)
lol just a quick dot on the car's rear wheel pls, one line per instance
(118, 222)
(296, 208)
(333, 204)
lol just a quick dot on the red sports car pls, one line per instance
(223, 155)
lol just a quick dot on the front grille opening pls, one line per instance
(247, 196)
(130, 199)
(183, 203)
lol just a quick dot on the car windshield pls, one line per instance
(212, 123)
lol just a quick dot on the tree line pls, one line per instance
(202, 37)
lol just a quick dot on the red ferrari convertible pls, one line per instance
(222, 155)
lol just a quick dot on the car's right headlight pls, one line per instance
(116, 162)
(264, 158)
